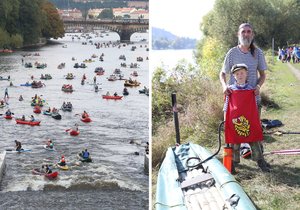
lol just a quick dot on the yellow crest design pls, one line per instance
(241, 126)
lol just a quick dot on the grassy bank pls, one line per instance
(279, 189)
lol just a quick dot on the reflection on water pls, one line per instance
(115, 168)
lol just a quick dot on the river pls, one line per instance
(115, 179)
(168, 59)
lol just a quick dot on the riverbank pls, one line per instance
(278, 189)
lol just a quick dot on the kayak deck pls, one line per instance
(205, 186)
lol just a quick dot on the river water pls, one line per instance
(115, 179)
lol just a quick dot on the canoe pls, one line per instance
(52, 175)
(62, 167)
(8, 117)
(84, 160)
(27, 122)
(48, 148)
(74, 133)
(86, 120)
(112, 97)
(209, 186)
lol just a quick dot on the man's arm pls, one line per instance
(222, 77)
(261, 80)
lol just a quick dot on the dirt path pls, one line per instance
(295, 71)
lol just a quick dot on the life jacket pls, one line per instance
(85, 154)
(62, 160)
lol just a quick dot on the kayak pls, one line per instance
(22, 150)
(74, 133)
(185, 184)
(46, 113)
(48, 148)
(52, 175)
(37, 110)
(62, 167)
(27, 122)
(8, 117)
(112, 97)
(56, 116)
(84, 160)
(26, 84)
(86, 120)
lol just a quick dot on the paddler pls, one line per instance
(18, 145)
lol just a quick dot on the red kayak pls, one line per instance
(74, 133)
(37, 171)
(8, 117)
(112, 97)
(27, 122)
(37, 110)
(86, 120)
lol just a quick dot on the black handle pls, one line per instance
(175, 113)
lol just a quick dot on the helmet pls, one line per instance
(62, 156)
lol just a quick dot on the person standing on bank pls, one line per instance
(246, 52)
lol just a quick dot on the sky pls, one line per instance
(180, 17)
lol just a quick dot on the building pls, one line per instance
(70, 14)
(138, 4)
(123, 12)
(140, 14)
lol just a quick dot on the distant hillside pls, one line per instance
(162, 39)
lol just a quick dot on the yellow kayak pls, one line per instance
(62, 167)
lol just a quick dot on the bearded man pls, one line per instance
(246, 52)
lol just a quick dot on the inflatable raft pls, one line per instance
(184, 184)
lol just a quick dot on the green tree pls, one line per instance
(4, 38)
(210, 56)
(30, 22)
(270, 18)
(16, 41)
(106, 14)
(52, 24)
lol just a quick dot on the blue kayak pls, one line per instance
(26, 84)
(183, 184)
(22, 150)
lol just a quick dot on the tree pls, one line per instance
(4, 37)
(270, 18)
(52, 24)
(30, 22)
(106, 14)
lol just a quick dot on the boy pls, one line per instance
(240, 72)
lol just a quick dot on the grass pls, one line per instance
(279, 189)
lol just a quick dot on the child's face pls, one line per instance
(241, 76)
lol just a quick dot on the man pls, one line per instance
(6, 93)
(85, 154)
(246, 52)
(18, 145)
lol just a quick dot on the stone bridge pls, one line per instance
(125, 28)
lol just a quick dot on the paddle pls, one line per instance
(68, 129)
(280, 133)
(284, 152)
